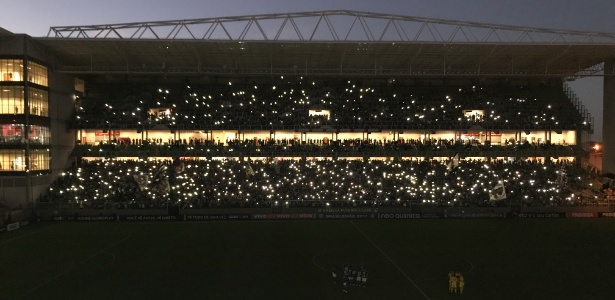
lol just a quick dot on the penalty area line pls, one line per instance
(390, 260)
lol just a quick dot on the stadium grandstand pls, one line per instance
(302, 111)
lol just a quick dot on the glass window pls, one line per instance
(37, 73)
(11, 100)
(11, 134)
(39, 159)
(38, 102)
(12, 160)
(14, 134)
(11, 70)
(79, 85)
(39, 135)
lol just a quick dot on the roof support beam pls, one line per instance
(471, 31)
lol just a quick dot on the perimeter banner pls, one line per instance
(221, 217)
(352, 210)
(399, 216)
(539, 215)
(347, 216)
(148, 218)
(607, 214)
(572, 214)
(475, 215)
(282, 216)
(85, 218)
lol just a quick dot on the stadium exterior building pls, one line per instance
(45, 82)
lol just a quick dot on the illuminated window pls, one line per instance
(15, 134)
(38, 100)
(14, 160)
(37, 73)
(11, 100)
(11, 70)
(39, 159)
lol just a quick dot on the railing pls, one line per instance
(324, 151)
(580, 107)
(358, 127)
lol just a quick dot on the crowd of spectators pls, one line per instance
(350, 104)
(339, 104)
(307, 183)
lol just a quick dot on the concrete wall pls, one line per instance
(61, 106)
(608, 125)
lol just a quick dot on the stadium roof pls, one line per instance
(328, 43)
(4, 32)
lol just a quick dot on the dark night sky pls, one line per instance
(34, 17)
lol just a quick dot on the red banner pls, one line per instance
(572, 214)
(100, 133)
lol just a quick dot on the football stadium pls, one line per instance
(311, 155)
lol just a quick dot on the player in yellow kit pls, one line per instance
(453, 284)
(450, 282)
(461, 283)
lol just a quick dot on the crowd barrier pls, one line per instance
(335, 216)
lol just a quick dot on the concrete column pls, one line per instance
(608, 119)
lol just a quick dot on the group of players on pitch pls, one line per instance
(353, 276)
(456, 283)
(357, 276)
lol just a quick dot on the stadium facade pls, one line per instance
(59, 94)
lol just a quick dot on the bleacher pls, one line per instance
(285, 104)
(142, 172)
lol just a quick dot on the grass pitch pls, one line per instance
(406, 259)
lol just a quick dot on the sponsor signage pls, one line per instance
(539, 215)
(475, 215)
(205, 217)
(239, 217)
(398, 216)
(572, 214)
(327, 215)
(12, 226)
(85, 218)
(100, 133)
(481, 134)
(148, 218)
(347, 210)
(216, 217)
(432, 216)
(282, 216)
(346, 216)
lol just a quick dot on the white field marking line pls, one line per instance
(391, 260)
(76, 265)
(314, 259)
(112, 256)
(471, 266)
